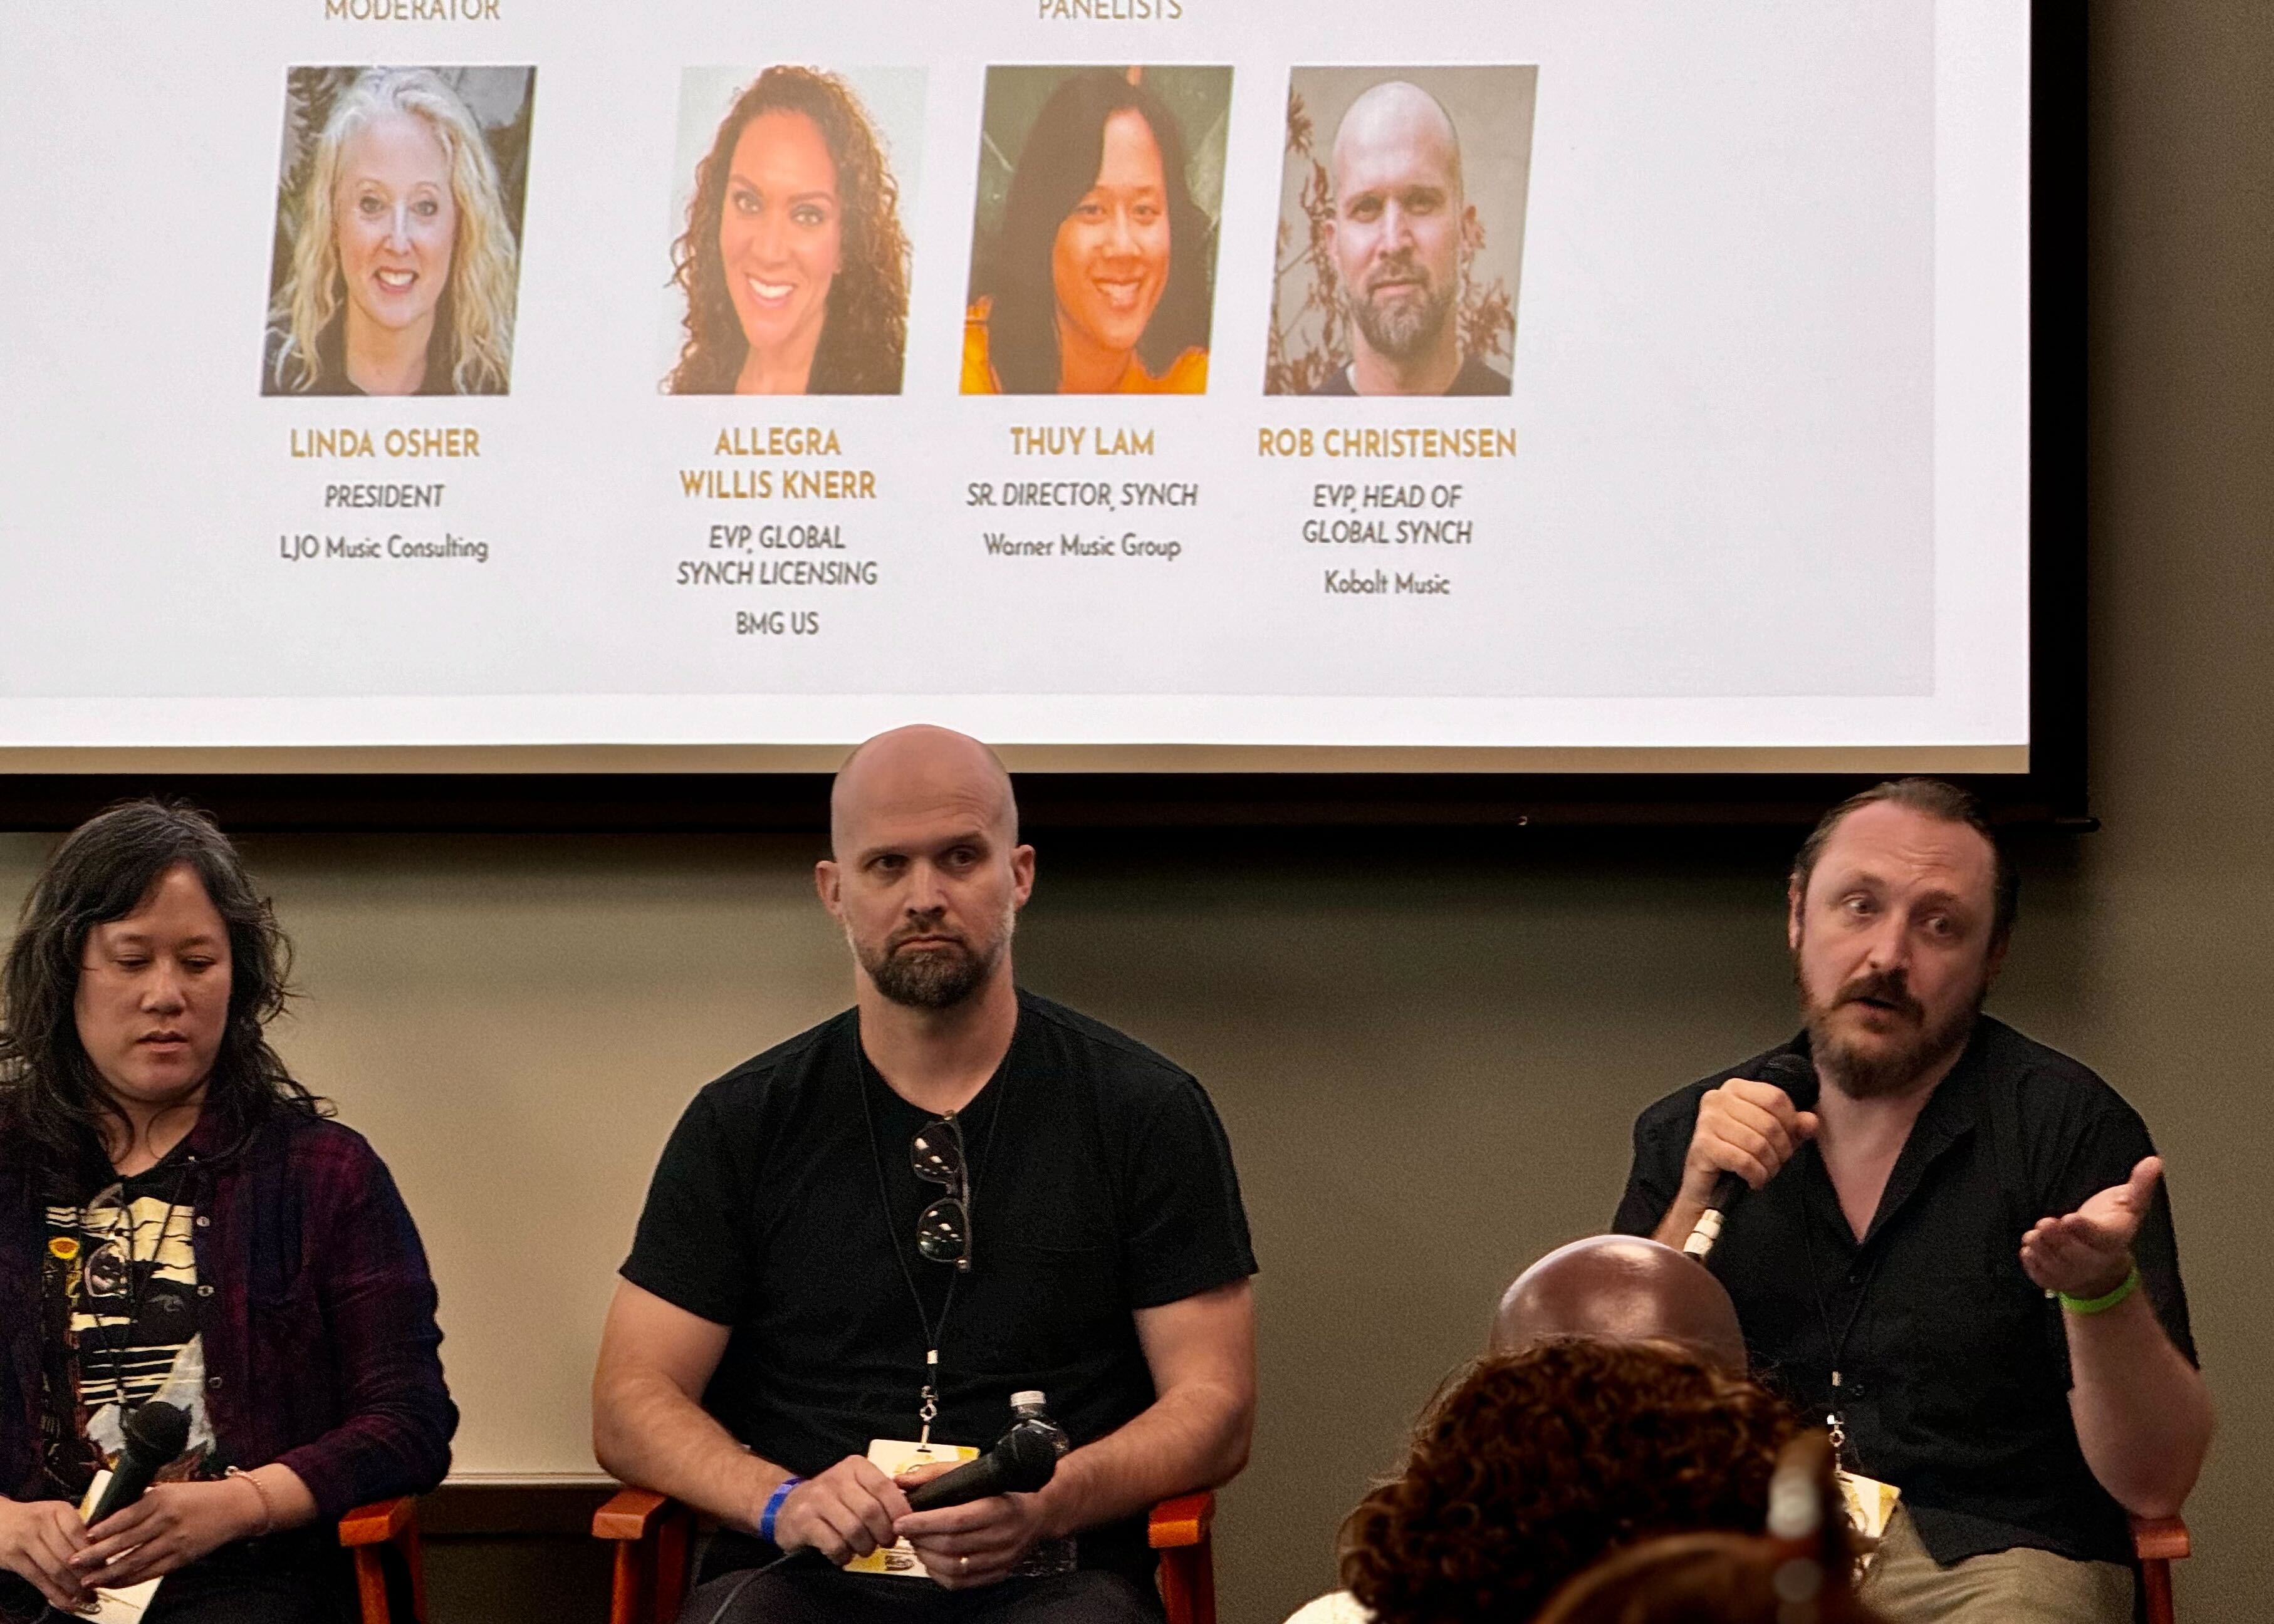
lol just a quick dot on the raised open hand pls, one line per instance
(2088, 1253)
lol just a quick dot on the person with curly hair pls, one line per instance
(404, 267)
(1801, 1569)
(1100, 277)
(1528, 1467)
(1698, 1579)
(186, 1241)
(794, 263)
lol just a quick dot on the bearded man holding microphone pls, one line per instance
(868, 1249)
(1961, 1257)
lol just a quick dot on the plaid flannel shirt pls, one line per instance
(314, 1301)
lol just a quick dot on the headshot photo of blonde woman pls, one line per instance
(1094, 248)
(790, 275)
(397, 256)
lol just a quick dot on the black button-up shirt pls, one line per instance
(1954, 1375)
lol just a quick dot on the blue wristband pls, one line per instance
(773, 1507)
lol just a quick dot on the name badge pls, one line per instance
(892, 1456)
(1870, 1504)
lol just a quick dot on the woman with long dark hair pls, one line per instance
(794, 263)
(181, 1225)
(1100, 277)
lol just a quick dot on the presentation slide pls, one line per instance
(1139, 384)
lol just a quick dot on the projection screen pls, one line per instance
(1143, 385)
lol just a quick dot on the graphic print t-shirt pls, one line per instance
(120, 1288)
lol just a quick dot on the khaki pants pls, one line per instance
(2021, 1586)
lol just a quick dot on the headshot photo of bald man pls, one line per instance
(1401, 231)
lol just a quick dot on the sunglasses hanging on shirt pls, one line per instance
(944, 1228)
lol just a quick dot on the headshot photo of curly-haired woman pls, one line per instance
(793, 265)
(1093, 253)
(398, 257)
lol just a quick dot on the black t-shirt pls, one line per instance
(1476, 377)
(1954, 1366)
(1102, 1182)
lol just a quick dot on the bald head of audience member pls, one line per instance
(1396, 234)
(925, 872)
(1625, 1289)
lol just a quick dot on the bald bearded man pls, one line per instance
(1400, 214)
(865, 1240)
(1622, 1289)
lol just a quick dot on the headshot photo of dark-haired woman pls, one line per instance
(397, 260)
(1098, 276)
(792, 264)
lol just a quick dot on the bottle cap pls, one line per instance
(1029, 1400)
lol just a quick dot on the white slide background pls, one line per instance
(1770, 407)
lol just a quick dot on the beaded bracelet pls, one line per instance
(267, 1511)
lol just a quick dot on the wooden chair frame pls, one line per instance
(368, 1531)
(2156, 1542)
(654, 1538)
(1181, 1529)
(653, 1535)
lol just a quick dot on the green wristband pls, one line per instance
(2102, 1304)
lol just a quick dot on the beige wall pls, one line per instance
(1428, 1054)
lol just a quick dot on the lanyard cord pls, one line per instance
(1835, 1422)
(928, 1407)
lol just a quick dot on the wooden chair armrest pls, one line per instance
(632, 1514)
(652, 1533)
(378, 1522)
(1183, 1521)
(367, 1531)
(2163, 1539)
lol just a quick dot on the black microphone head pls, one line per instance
(158, 1430)
(1027, 1457)
(1795, 1075)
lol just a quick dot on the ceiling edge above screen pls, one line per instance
(707, 787)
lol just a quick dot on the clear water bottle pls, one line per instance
(1051, 1556)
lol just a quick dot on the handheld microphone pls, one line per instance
(1022, 1461)
(156, 1434)
(1797, 1078)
